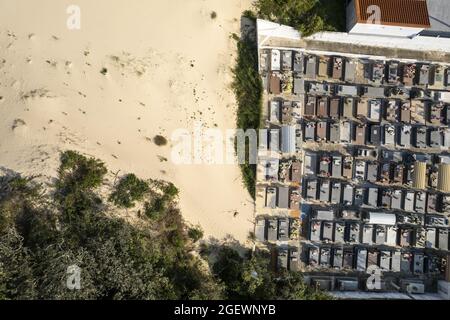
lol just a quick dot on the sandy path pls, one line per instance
(167, 67)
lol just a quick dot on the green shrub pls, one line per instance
(129, 190)
(160, 140)
(195, 233)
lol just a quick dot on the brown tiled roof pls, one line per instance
(404, 13)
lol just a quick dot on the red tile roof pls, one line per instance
(403, 13)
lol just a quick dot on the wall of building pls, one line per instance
(380, 30)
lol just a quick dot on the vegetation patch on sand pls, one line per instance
(45, 233)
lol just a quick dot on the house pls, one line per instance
(282, 258)
(322, 131)
(385, 172)
(354, 234)
(271, 197)
(324, 67)
(310, 163)
(347, 90)
(420, 137)
(435, 115)
(372, 171)
(396, 199)
(391, 235)
(362, 108)
(443, 239)
(311, 190)
(389, 135)
(294, 199)
(385, 260)
(418, 114)
(275, 83)
(318, 88)
(272, 232)
(283, 229)
(299, 85)
(313, 258)
(288, 139)
(391, 111)
(398, 175)
(310, 107)
(405, 262)
(336, 192)
(420, 202)
(325, 215)
(412, 19)
(336, 169)
(315, 230)
(373, 92)
(409, 74)
(275, 62)
(274, 140)
(324, 165)
(432, 202)
(367, 232)
(293, 259)
(274, 112)
(361, 263)
(286, 60)
(338, 258)
(348, 195)
(418, 266)
(405, 112)
(348, 260)
(372, 197)
(286, 112)
(378, 72)
(324, 190)
(325, 254)
(334, 132)
(435, 138)
(405, 236)
(261, 230)
(372, 258)
(347, 171)
(409, 201)
(430, 238)
(298, 62)
(360, 134)
(337, 68)
(295, 172)
(405, 136)
(345, 131)
(311, 67)
(322, 107)
(425, 74)
(283, 197)
(375, 135)
(350, 70)
(348, 108)
(374, 110)
(310, 131)
(339, 228)
(396, 261)
(360, 170)
(327, 231)
(335, 107)
(386, 198)
(393, 75)
(359, 197)
(380, 234)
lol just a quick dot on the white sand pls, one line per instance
(55, 97)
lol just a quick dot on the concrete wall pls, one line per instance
(383, 30)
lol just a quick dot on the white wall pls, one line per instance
(380, 30)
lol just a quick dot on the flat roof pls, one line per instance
(404, 13)
(439, 13)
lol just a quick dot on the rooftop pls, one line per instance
(414, 13)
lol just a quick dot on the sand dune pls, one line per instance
(134, 70)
